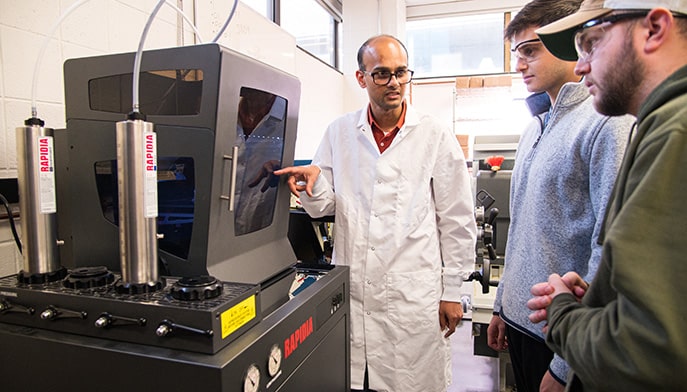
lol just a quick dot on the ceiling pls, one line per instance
(438, 8)
(411, 3)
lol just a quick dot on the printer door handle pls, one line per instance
(232, 182)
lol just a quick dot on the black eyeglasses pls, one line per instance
(382, 78)
(592, 33)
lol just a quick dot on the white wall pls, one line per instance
(434, 98)
(322, 100)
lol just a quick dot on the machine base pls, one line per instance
(311, 331)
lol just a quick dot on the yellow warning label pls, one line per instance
(237, 316)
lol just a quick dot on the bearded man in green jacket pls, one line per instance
(626, 330)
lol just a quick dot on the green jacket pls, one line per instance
(630, 331)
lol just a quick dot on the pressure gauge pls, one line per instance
(274, 361)
(251, 381)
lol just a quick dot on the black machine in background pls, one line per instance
(493, 191)
(310, 238)
(492, 200)
(492, 216)
(230, 311)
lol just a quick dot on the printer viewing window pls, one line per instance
(176, 187)
(260, 139)
(174, 92)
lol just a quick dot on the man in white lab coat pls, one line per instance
(398, 185)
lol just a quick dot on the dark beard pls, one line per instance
(621, 83)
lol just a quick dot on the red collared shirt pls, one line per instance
(384, 141)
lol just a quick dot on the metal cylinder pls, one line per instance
(37, 200)
(137, 190)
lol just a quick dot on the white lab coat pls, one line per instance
(398, 215)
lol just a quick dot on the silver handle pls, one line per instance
(232, 182)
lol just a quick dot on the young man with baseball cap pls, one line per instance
(566, 163)
(626, 330)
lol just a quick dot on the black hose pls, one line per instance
(11, 219)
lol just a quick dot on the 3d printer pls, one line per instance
(215, 311)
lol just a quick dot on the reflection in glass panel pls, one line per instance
(463, 45)
(260, 138)
(176, 199)
(173, 92)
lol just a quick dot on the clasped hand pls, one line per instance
(544, 292)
